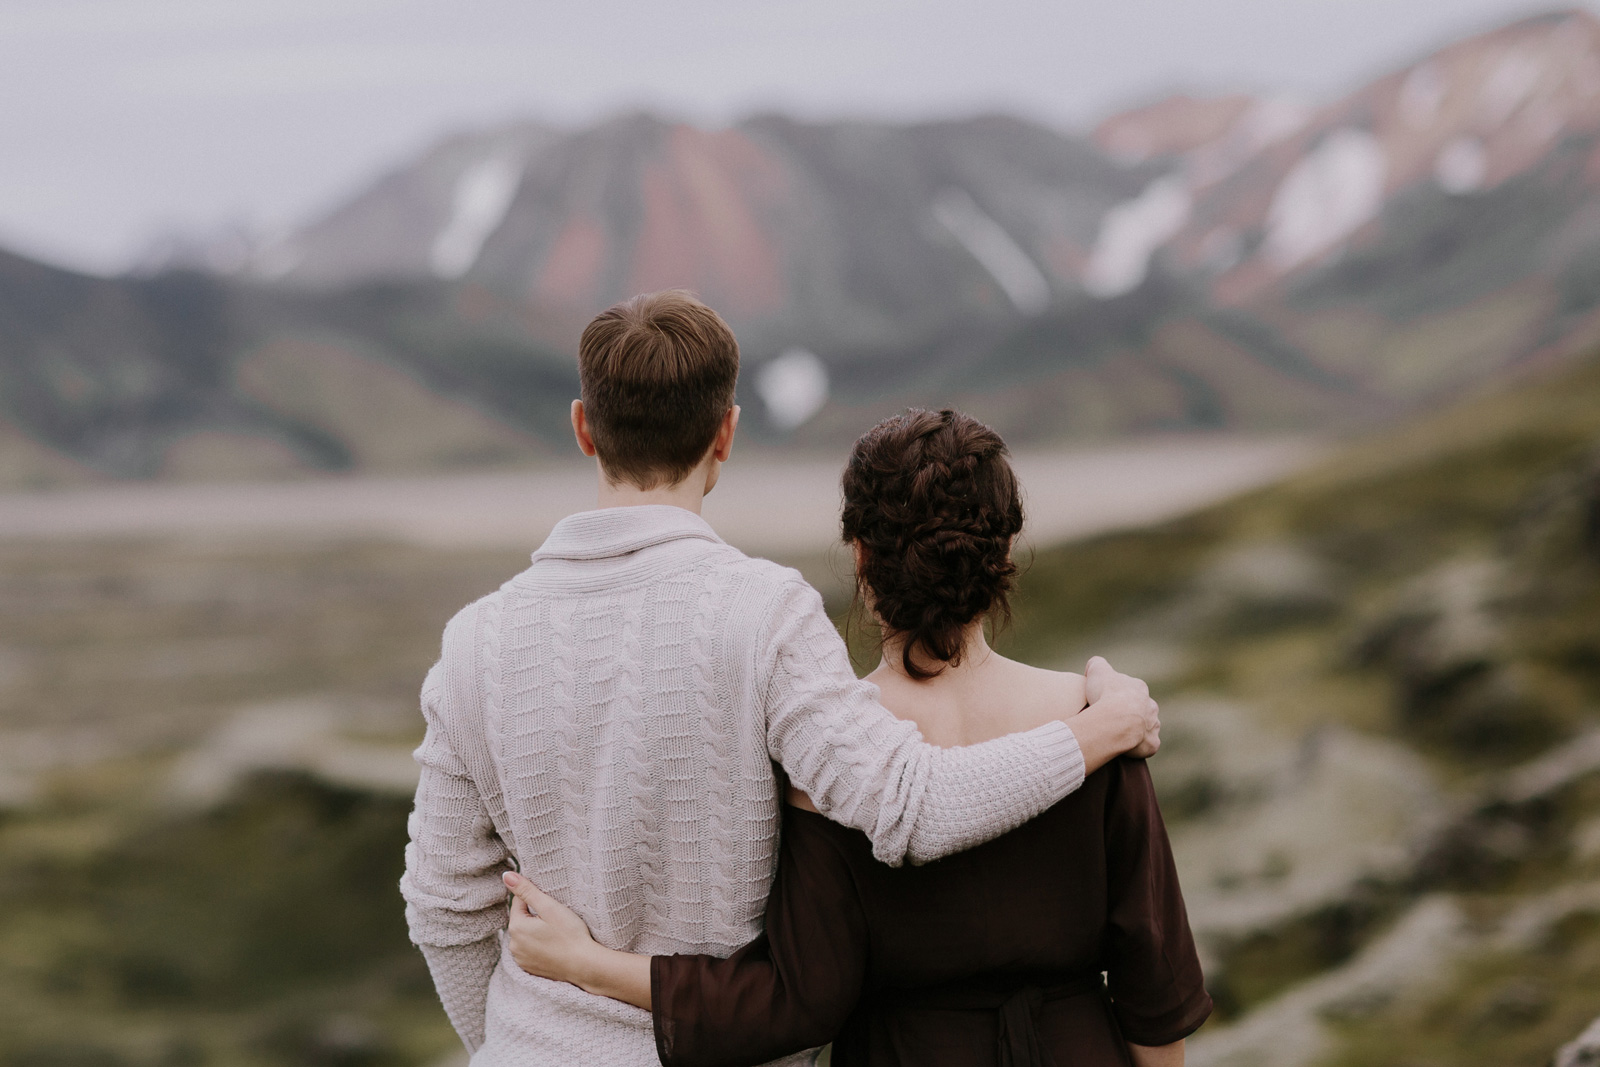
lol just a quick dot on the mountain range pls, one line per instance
(1229, 262)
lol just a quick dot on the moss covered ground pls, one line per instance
(1437, 587)
(138, 929)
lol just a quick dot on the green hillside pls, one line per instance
(1379, 681)
(1434, 592)
(162, 903)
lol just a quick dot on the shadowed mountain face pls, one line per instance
(102, 369)
(1234, 262)
(187, 375)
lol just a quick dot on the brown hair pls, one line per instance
(657, 374)
(932, 503)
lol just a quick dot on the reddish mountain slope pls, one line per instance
(858, 231)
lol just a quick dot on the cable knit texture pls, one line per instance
(607, 723)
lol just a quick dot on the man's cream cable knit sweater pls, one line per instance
(607, 722)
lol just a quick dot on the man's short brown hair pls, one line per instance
(657, 374)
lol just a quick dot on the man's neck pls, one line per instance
(688, 494)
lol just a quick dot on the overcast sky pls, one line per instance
(127, 119)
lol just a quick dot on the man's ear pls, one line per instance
(722, 447)
(580, 429)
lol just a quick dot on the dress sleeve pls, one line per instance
(868, 770)
(789, 990)
(1157, 991)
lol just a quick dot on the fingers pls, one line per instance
(1126, 700)
(514, 882)
(1152, 733)
(1100, 672)
(1150, 712)
(527, 894)
(544, 906)
(1101, 679)
(519, 906)
(1150, 744)
(1095, 674)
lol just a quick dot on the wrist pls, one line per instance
(608, 972)
(591, 971)
(1104, 735)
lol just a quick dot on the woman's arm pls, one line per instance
(789, 990)
(1157, 1056)
(1153, 971)
(550, 940)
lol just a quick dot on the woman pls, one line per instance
(992, 956)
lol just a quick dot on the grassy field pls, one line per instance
(137, 926)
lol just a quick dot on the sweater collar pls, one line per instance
(611, 532)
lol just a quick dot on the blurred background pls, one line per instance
(1290, 311)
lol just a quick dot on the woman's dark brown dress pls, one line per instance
(992, 956)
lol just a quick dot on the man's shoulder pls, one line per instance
(770, 584)
(466, 623)
(764, 572)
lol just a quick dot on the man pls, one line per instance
(608, 720)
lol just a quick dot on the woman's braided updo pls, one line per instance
(932, 506)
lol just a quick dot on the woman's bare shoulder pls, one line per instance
(1048, 682)
(1042, 695)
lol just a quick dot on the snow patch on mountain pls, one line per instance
(1018, 276)
(483, 195)
(793, 387)
(1331, 192)
(1131, 232)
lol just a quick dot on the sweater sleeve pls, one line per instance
(455, 901)
(792, 988)
(461, 974)
(1153, 970)
(866, 769)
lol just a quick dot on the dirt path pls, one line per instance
(763, 504)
